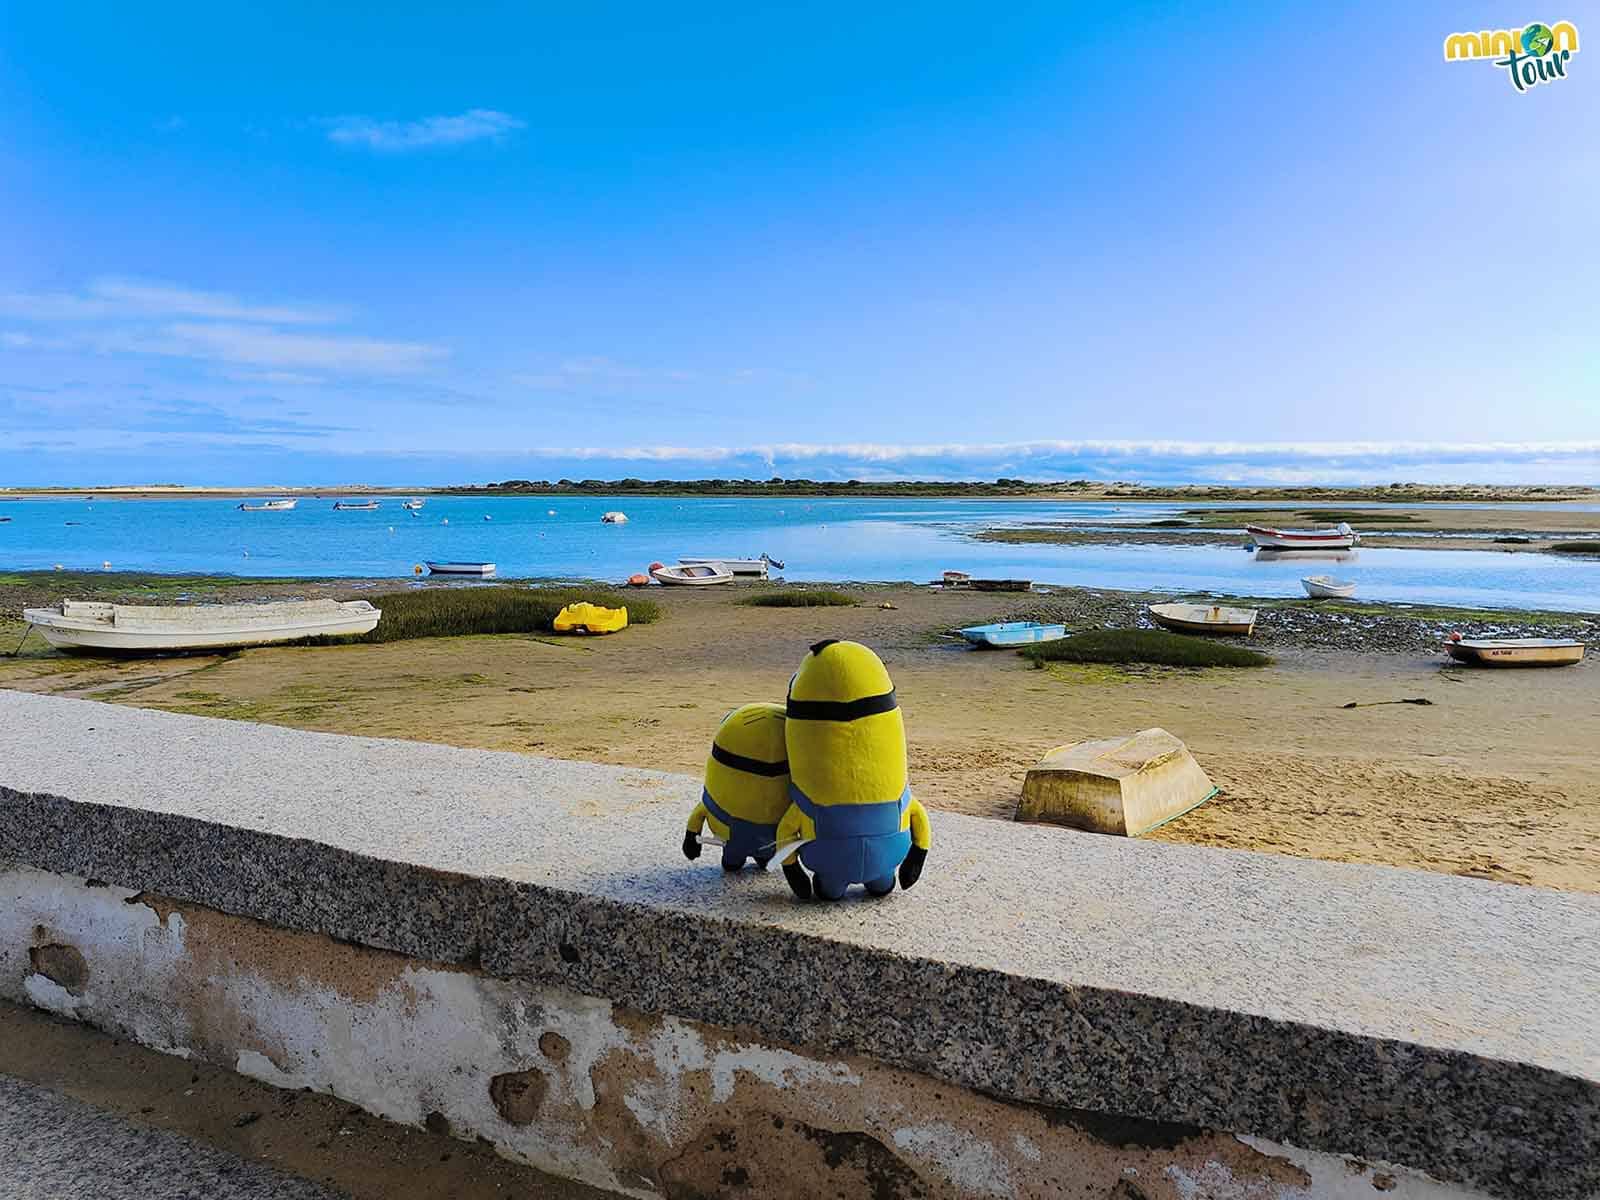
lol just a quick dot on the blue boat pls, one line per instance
(1013, 633)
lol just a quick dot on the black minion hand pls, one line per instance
(691, 845)
(911, 868)
(799, 881)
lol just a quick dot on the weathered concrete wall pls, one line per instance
(576, 1085)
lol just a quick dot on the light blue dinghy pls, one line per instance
(1013, 633)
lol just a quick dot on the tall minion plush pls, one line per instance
(852, 806)
(746, 788)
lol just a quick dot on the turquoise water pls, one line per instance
(832, 539)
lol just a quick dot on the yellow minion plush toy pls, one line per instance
(746, 788)
(852, 806)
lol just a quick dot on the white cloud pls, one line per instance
(259, 346)
(111, 297)
(600, 373)
(474, 125)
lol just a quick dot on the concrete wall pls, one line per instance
(573, 1084)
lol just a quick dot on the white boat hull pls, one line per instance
(135, 629)
(753, 567)
(1516, 652)
(700, 575)
(1302, 539)
(1320, 587)
(459, 568)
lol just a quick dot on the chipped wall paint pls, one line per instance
(642, 1104)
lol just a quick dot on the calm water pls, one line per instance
(818, 539)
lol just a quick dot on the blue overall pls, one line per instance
(746, 839)
(855, 843)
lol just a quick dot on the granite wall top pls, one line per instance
(1442, 1023)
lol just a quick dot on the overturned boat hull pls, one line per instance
(92, 626)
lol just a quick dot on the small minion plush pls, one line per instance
(746, 788)
(852, 806)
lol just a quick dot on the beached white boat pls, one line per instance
(1013, 633)
(1340, 537)
(135, 628)
(957, 578)
(1515, 652)
(1326, 587)
(739, 566)
(355, 505)
(411, 505)
(614, 518)
(270, 506)
(460, 568)
(1203, 618)
(700, 575)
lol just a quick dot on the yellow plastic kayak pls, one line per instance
(590, 618)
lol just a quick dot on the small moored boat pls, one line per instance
(133, 628)
(1326, 587)
(460, 568)
(1202, 618)
(1013, 633)
(1515, 652)
(269, 506)
(1340, 537)
(756, 567)
(355, 506)
(412, 505)
(701, 575)
(614, 518)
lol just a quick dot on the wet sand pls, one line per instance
(1497, 778)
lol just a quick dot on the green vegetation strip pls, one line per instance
(801, 598)
(1589, 547)
(1143, 646)
(454, 612)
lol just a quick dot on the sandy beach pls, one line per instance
(1487, 780)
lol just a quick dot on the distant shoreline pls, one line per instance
(1084, 491)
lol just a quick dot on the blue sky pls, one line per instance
(331, 243)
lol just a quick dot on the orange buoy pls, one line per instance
(638, 580)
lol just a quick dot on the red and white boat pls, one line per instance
(1340, 537)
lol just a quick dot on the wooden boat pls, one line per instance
(133, 628)
(269, 506)
(700, 575)
(460, 568)
(411, 505)
(614, 518)
(1201, 618)
(1000, 585)
(1515, 652)
(1340, 537)
(355, 506)
(1326, 587)
(756, 567)
(584, 617)
(1013, 633)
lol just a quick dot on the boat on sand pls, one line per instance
(1340, 537)
(756, 567)
(1000, 585)
(1202, 618)
(1013, 633)
(1326, 587)
(133, 628)
(1515, 652)
(460, 568)
(700, 575)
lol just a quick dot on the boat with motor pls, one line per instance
(756, 567)
(1326, 587)
(460, 568)
(1340, 537)
(412, 505)
(1204, 618)
(614, 518)
(91, 625)
(698, 575)
(1515, 652)
(283, 505)
(355, 506)
(1013, 633)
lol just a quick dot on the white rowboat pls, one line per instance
(700, 575)
(1340, 537)
(460, 568)
(739, 566)
(1201, 618)
(1326, 587)
(614, 518)
(411, 505)
(1516, 652)
(355, 506)
(132, 628)
(270, 506)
